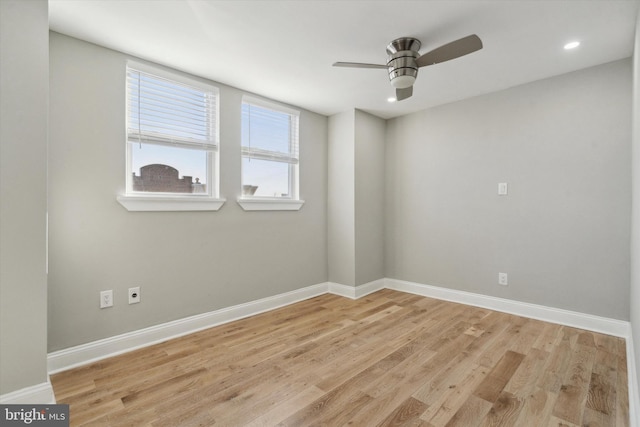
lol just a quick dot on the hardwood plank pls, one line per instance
(280, 388)
(494, 383)
(586, 338)
(549, 338)
(287, 407)
(594, 418)
(339, 402)
(458, 367)
(522, 383)
(471, 413)
(555, 369)
(570, 335)
(65, 389)
(91, 414)
(504, 411)
(602, 392)
(622, 392)
(496, 351)
(557, 422)
(406, 414)
(445, 407)
(607, 343)
(537, 409)
(161, 390)
(524, 337)
(392, 381)
(389, 358)
(132, 417)
(573, 392)
(392, 388)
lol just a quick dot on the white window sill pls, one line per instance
(270, 204)
(160, 204)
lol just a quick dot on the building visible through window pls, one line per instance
(164, 178)
(172, 134)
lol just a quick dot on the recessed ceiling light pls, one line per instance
(391, 99)
(571, 45)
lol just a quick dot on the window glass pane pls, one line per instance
(265, 129)
(158, 168)
(264, 178)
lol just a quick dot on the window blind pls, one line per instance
(269, 134)
(165, 112)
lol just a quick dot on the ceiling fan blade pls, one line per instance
(358, 65)
(453, 50)
(404, 93)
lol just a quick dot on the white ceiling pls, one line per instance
(283, 50)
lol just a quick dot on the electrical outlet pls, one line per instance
(502, 279)
(502, 189)
(106, 299)
(134, 295)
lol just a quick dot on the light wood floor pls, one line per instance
(388, 359)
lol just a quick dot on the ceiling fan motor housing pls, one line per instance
(403, 68)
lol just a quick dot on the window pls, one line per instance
(172, 140)
(269, 156)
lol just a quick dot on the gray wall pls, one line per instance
(562, 234)
(369, 197)
(341, 202)
(24, 33)
(356, 198)
(186, 263)
(634, 300)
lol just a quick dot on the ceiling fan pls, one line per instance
(404, 60)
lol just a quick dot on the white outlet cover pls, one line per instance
(106, 299)
(134, 295)
(502, 188)
(503, 279)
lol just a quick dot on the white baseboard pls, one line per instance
(605, 325)
(371, 287)
(37, 394)
(357, 291)
(341, 290)
(87, 353)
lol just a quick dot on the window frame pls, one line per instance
(169, 201)
(293, 201)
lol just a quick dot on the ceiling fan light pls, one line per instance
(571, 45)
(401, 82)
